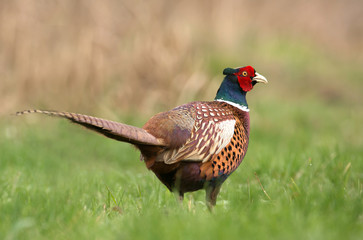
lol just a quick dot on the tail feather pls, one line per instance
(111, 129)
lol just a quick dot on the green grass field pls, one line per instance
(59, 181)
(302, 177)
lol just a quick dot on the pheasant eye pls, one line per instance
(244, 73)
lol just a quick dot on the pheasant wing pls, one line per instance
(193, 132)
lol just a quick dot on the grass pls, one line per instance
(59, 181)
(302, 177)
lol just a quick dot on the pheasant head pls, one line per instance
(237, 83)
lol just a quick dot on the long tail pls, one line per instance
(111, 129)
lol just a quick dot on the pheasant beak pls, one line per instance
(259, 78)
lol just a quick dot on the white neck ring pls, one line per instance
(240, 107)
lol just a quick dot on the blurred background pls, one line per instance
(137, 57)
(126, 60)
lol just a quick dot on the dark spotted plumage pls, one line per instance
(193, 146)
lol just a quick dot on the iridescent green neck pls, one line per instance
(230, 91)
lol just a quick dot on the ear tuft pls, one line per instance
(230, 71)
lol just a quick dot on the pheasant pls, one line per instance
(193, 146)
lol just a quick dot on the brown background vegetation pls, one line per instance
(137, 57)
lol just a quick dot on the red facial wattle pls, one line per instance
(245, 76)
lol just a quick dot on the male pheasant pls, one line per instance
(193, 146)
